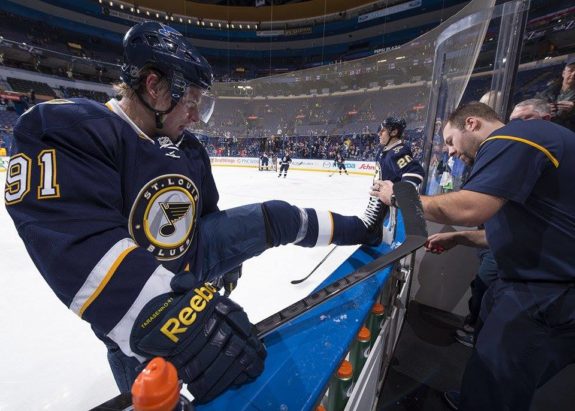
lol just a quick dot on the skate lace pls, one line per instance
(372, 212)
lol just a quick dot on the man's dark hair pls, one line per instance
(475, 109)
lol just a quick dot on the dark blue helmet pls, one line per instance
(165, 49)
(393, 123)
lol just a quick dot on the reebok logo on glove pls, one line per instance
(187, 315)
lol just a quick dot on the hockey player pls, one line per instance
(339, 162)
(117, 207)
(394, 162)
(264, 161)
(284, 164)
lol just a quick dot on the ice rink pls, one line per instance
(52, 360)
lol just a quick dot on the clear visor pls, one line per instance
(203, 101)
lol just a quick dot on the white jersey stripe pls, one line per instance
(412, 175)
(157, 284)
(100, 275)
(324, 228)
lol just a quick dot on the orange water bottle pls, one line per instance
(157, 388)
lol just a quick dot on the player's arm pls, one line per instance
(409, 169)
(68, 211)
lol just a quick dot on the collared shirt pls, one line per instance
(530, 163)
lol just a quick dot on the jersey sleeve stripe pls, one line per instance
(529, 142)
(157, 284)
(413, 175)
(101, 275)
(325, 228)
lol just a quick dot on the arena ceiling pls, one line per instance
(278, 10)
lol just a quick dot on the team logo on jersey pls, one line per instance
(170, 149)
(163, 217)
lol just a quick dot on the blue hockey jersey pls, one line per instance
(396, 163)
(108, 214)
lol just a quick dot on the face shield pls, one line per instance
(201, 100)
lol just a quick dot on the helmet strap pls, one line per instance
(158, 114)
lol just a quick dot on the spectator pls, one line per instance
(532, 109)
(560, 94)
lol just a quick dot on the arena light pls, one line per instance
(203, 23)
(249, 27)
(181, 20)
(157, 15)
(131, 9)
(121, 7)
(211, 24)
(233, 27)
(111, 4)
(220, 25)
(241, 26)
(197, 23)
(137, 11)
(147, 12)
(189, 21)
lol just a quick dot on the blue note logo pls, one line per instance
(163, 217)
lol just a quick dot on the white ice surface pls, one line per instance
(51, 359)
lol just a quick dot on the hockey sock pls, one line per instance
(289, 224)
(348, 230)
(310, 228)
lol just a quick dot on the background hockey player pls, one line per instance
(264, 161)
(394, 162)
(285, 161)
(339, 162)
(121, 218)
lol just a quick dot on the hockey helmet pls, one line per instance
(393, 123)
(165, 49)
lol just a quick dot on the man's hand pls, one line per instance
(565, 105)
(382, 190)
(441, 242)
(207, 337)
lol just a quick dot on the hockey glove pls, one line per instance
(229, 281)
(207, 337)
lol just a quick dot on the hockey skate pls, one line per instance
(372, 218)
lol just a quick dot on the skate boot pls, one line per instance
(373, 217)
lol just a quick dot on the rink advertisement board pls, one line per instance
(301, 164)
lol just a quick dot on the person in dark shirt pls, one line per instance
(560, 94)
(522, 188)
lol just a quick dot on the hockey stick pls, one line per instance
(301, 280)
(415, 237)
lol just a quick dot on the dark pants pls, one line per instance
(526, 336)
(486, 274)
(284, 168)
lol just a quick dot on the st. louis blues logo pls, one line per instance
(163, 217)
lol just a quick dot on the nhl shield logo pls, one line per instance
(163, 217)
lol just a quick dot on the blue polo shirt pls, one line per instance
(531, 164)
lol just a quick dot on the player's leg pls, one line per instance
(232, 236)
